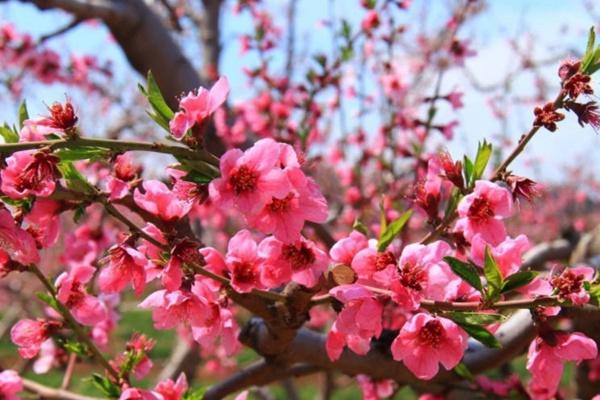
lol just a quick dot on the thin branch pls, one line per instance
(48, 393)
(257, 374)
(71, 25)
(69, 372)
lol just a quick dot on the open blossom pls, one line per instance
(125, 265)
(139, 394)
(170, 309)
(86, 309)
(30, 173)
(15, 243)
(170, 390)
(243, 262)
(426, 341)
(345, 249)
(29, 335)
(159, 200)
(251, 179)
(356, 324)
(196, 107)
(508, 254)
(546, 357)
(375, 390)
(285, 217)
(374, 267)
(10, 384)
(483, 210)
(300, 261)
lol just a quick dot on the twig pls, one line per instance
(69, 372)
(48, 393)
(73, 24)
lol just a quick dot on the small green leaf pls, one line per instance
(455, 198)
(195, 394)
(346, 30)
(492, 275)
(473, 318)
(393, 230)
(360, 227)
(594, 292)
(9, 135)
(346, 53)
(75, 347)
(588, 57)
(468, 169)
(49, 300)
(462, 371)
(518, 280)
(106, 386)
(23, 114)
(162, 113)
(482, 335)
(468, 272)
(73, 178)
(484, 152)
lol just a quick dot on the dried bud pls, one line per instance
(428, 201)
(568, 68)
(452, 170)
(522, 187)
(547, 117)
(578, 84)
(586, 113)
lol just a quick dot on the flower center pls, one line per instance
(432, 333)
(480, 210)
(567, 283)
(281, 205)
(384, 259)
(244, 180)
(244, 272)
(412, 276)
(76, 295)
(300, 258)
(42, 167)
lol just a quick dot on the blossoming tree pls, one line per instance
(331, 252)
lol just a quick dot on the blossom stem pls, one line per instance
(119, 145)
(70, 320)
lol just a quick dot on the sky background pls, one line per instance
(553, 25)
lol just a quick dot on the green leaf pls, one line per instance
(392, 230)
(473, 318)
(468, 169)
(492, 275)
(588, 57)
(360, 227)
(73, 178)
(9, 135)
(195, 394)
(468, 272)
(346, 30)
(482, 335)
(75, 347)
(462, 371)
(162, 113)
(23, 114)
(347, 53)
(455, 198)
(106, 386)
(518, 280)
(83, 153)
(484, 152)
(49, 300)
(594, 292)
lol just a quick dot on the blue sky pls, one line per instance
(553, 23)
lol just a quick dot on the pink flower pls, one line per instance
(161, 201)
(547, 355)
(10, 384)
(86, 309)
(425, 341)
(184, 251)
(375, 390)
(50, 356)
(345, 249)
(249, 180)
(301, 262)
(43, 222)
(483, 210)
(170, 390)
(374, 267)
(243, 262)
(15, 243)
(197, 107)
(139, 394)
(508, 254)
(29, 335)
(29, 173)
(124, 172)
(455, 100)
(285, 217)
(125, 265)
(171, 309)
(356, 324)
